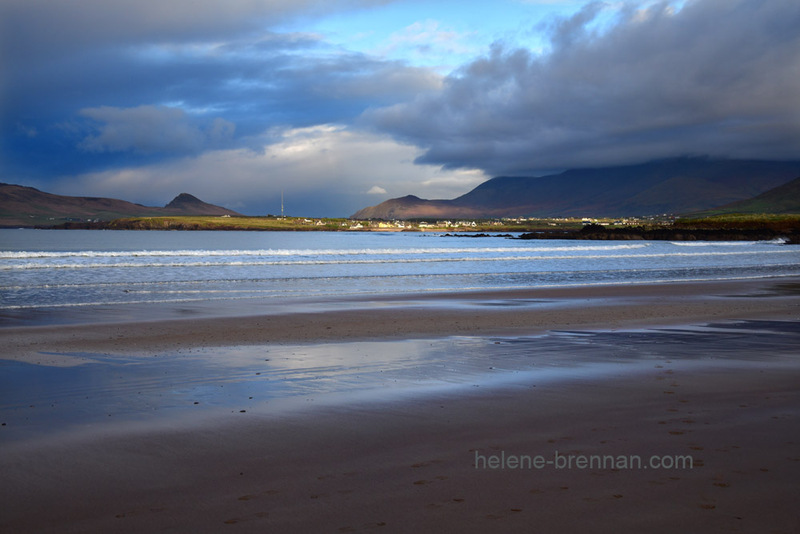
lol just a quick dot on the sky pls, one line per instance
(342, 104)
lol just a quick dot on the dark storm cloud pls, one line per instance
(38, 29)
(149, 129)
(132, 82)
(715, 77)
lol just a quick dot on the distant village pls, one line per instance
(505, 223)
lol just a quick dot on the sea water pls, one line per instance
(46, 269)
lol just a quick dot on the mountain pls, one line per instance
(679, 185)
(26, 206)
(186, 204)
(783, 199)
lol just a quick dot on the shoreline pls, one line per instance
(385, 317)
(661, 233)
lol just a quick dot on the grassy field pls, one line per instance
(734, 221)
(568, 227)
(227, 223)
(335, 224)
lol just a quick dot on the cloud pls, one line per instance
(42, 28)
(324, 170)
(713, 77)
(108, 107)
(429, 42)
(27, 131)
(153, 129)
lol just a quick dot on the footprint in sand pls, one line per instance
(502, 515)
(252, 517)
(423, 482)
(251, 497)
(431, 462)
(130, 513)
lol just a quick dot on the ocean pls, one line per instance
(61, 272)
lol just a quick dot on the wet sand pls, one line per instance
(725, 396)
(148, 329)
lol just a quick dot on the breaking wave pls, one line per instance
(89, 269)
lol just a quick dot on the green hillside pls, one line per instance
(784, 199)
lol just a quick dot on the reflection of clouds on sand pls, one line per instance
(77, 390)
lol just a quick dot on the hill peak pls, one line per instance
(23, 206)
(183, 200)
(186, 204)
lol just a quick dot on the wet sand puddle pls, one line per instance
(92, 390)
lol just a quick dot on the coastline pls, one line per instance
(415, 462)
(789, 235)
(499, 312)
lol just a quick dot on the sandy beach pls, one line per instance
(519, 312)
(688, 392)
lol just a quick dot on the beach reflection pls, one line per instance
(83, 390)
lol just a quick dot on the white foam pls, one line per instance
(776, 241)
(304, 252)
(373, 261)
